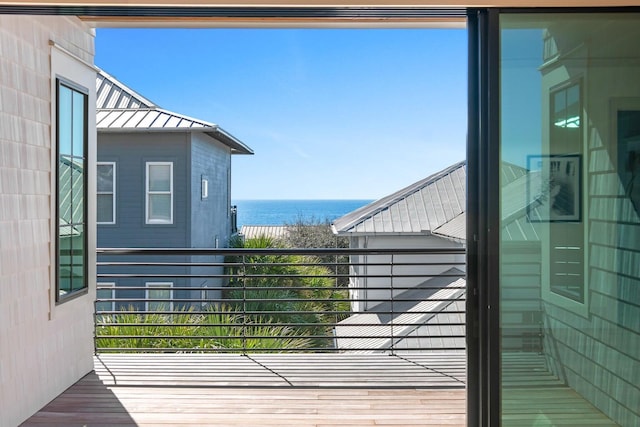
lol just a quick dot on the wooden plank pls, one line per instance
(249, 406)
(177, 390)
(283, 370)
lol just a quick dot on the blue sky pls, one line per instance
(330, 114)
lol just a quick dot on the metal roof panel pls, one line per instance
(422, 202)
(120, 108)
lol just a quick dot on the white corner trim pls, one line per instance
(73, 56)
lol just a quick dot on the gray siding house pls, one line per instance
(422, 215)
(432, 213)
(427, 214)
(164, 180)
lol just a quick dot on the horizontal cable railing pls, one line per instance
(280, 300)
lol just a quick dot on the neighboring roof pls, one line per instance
(455, 230)
(432, 319)
(511, 172)
(113, 94)
(121, 109)
(419, 208)
(402, 211)
(277, 232)
(70, 195)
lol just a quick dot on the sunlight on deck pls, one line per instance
(302, 390)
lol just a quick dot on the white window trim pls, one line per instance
(66, 65)
(111, 286)
(112, 192)
(158, 285)
(148, 193)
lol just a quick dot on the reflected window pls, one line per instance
(629, 161)
(72, 133)
(566, 251)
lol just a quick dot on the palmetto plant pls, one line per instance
(217, 329)
(287, 289)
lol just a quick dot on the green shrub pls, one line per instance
(217, 329)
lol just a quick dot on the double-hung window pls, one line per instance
(159, 193)
(71, 179)
(159, 296)
(106, 174)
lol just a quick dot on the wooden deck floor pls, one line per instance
(91, 403)
(300, 390)
(284, 370)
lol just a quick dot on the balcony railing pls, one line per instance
(280, 300)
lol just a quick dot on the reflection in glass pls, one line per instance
(79, 123)
(64, 120)
(71, 178)
(629, 157)
(77, 194)
(570, 271)
(78, 251)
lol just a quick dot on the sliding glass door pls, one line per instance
(569, 239)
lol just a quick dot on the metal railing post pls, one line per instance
(335, 284)
(95, 326)
(392, 301)
(244, 305)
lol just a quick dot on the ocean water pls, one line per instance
(278, 212)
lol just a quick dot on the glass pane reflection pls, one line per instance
(570, 117)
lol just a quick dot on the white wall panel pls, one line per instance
(44, 348)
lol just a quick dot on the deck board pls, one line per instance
(90, 402)
(282, 370)
(325, 390)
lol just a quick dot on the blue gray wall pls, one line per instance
(210, 217)
(131, 152)
(197, 222)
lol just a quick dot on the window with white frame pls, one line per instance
(106, 186)
(159, 296)
(159, 193)
(107, 293)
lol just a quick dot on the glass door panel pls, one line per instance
(570, 218)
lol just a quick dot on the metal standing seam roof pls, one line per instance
(121, 109)
(113, 94)
(455, 230)
(419, 208)
(437, 205)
